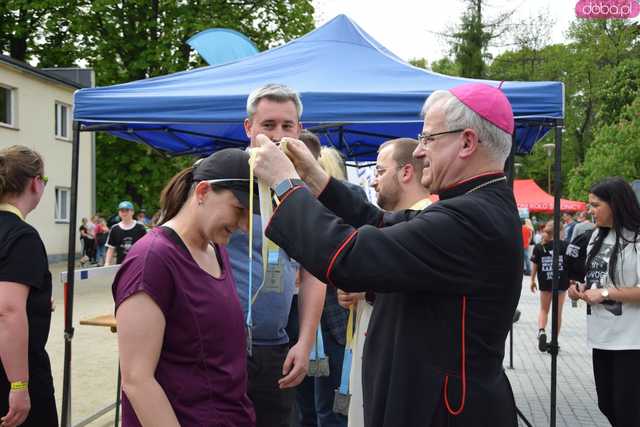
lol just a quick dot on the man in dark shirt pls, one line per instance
(448, 278)
(123, 234)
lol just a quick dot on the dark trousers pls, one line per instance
(527, 261)
(89, 248)
(272, 404)
(617, 379)
(315, 395)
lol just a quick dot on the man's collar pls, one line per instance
(10, 208)
(462, 187)
(421, 204)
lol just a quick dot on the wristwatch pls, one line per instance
(283, 186)
(605, 293)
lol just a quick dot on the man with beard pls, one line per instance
(447, 278)
(397, 185)
(398, 175)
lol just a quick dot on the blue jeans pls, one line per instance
(101, 250)
(315, 395)
(527, 262)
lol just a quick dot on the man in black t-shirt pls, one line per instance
(123, 235)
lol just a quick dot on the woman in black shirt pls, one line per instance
(542, 272)
(26, 385)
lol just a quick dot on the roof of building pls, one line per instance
(49, 75)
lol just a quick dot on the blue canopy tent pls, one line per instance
(356, 94)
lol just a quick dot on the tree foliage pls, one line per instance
(471, 42)
(471, 39)
(599, 68)
(615, 152)
(127, 40)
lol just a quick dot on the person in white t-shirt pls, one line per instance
(612, 291)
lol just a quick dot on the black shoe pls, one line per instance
(542, 340)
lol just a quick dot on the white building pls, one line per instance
(36, 111)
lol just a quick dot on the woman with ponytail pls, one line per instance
(181, 333)
(26, 385)
(613, 294)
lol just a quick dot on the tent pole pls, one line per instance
(509, 169)
(68, 286)
(510, 173)
(553, 346)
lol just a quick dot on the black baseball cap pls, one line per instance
(230, 169)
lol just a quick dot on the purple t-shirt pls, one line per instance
(202, 366)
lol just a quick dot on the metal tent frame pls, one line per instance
(555, 123)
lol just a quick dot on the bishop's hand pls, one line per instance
(306, 165)
(271, 164)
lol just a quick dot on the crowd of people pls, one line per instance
(102, 244)
(219, 314)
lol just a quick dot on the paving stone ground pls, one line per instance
(531, 377)
(95, 360)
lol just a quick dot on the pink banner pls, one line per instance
(607, 9)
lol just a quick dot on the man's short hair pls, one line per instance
(311, 141)
(459, 116)
(273, 92)
(402, 154)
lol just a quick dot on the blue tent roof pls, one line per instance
(355, 92)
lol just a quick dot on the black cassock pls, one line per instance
(447, 279)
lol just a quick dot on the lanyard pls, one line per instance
(10, 208)
(317, 351)
(348, 354)
(269, 249)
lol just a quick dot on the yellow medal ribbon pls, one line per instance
(349, 340)
(10, 208)
(266, 211)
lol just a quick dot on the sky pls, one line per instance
(407, 27)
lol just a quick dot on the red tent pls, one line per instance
(529, 195)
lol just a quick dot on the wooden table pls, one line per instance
(107, 321)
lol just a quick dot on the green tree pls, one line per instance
(418, 62)
(619, 90)
(446, 66)
(615, 152)
(27, 25)
(471, 39)
(471, 42)
(599, 71)
(127, 40)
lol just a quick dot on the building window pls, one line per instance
(63, 204)
(7, 105)
(62, 120)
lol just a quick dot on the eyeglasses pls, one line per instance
(425, 138)
(43, 178)
(379, 171)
